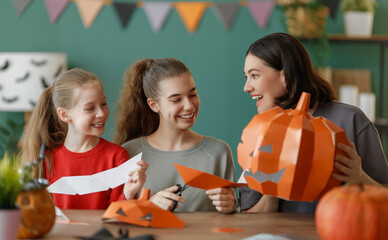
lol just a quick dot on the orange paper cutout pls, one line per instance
(199, 179)
(88, 10)
(142, 212)
(290, 154)
(191, 13)
(227, 230)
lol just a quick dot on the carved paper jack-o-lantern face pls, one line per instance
(289, 153)
(38, 213)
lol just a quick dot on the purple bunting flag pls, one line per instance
(157, 13)
(261, 11)
(55, 8)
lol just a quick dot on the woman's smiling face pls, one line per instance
(264, 83)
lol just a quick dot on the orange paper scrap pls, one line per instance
(199, 179)
(142, 212)
(289, 153)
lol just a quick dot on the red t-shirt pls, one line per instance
(104, 156)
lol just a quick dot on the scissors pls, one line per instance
(179, 192)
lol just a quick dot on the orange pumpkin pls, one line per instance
(289, 153)
(38, 213)
(356, 212)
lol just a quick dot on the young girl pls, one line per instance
(278, 69)
(158, 106)
(69, 118)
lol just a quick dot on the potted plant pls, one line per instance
(305, 18)
(358, 17)
(10, 187)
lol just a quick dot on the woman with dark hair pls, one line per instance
(278, 69)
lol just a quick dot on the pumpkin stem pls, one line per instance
(303, 103)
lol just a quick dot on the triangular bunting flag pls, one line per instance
(88, 10)
(124, 11)
(226, 12)
(157, 13)
(333, 6)
(261, 11)
(191, 13)
(55, 8)
(20, 6)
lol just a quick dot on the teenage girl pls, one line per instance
(159, 104)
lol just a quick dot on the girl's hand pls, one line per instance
(222, 198)
(165, 198)
(350, 166)
(136, 180)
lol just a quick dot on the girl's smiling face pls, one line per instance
(264, 83)
(178, 102)
(90, 111)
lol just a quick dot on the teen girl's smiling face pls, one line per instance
(178, 102)
(264, 83)
(90, 110)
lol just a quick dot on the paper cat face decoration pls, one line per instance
(24, 76)
(289, 153)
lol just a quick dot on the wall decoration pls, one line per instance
(25, 75)
(190, 12)
(157, 13)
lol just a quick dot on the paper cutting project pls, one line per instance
(98, 182)
(142, 212)
(289, 153)
(199, 179)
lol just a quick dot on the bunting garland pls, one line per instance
(157, 12)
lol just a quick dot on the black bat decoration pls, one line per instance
(38, 63)
(5, 66)
(10, 100)
(59, 71)
(44, 83)
(24, 78)
(33, 103)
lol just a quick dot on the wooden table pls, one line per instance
(198, 225)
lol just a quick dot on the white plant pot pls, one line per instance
(9, 223)
(358, 24)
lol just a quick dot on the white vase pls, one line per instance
(358, 24)
(9, 223)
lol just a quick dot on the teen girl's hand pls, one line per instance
(222, 198)
(165, 198)
(350, 166)
(136, 180)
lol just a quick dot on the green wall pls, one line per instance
(214, 55)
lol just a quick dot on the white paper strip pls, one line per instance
(97, 182)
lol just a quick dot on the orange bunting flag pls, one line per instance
(191, 13)
(88, 10)
(141, 212)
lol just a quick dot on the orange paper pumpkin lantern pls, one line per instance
(38, 213)
(354, 212)
(289, 153)
(142, 212)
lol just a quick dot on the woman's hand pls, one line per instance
(136, 180)
(350, 167)
(223, 199)
(165, 198)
